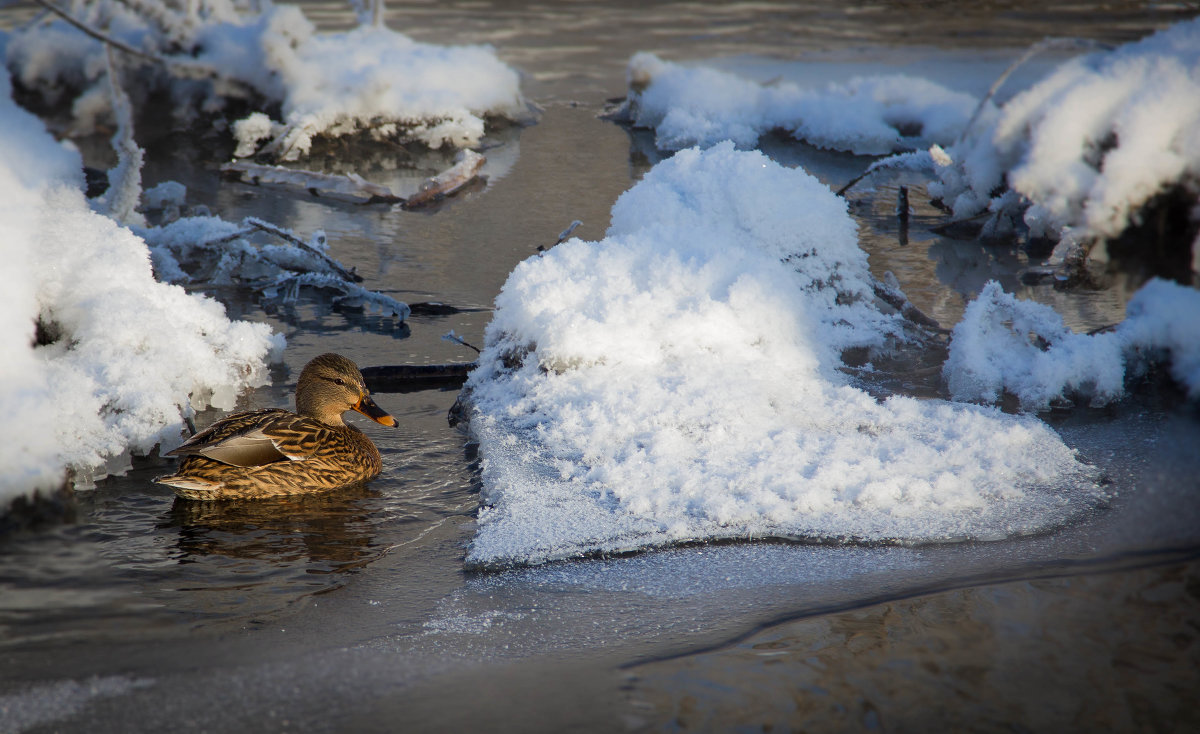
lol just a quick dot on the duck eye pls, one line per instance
(340, 381)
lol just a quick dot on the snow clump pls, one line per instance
(681, 380)
(1004, 345)
(866, 115)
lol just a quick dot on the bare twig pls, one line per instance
(103, 38)
(1034, 50)
(913, 160)
(452, 337)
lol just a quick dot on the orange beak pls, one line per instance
(367, 407)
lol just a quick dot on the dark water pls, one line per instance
(351, 612)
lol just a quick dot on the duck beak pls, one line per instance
(367, 407)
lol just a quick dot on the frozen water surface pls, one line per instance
(353, 612)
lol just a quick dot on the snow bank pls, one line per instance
(99, 357)
(331, 84)
(1006, 345)
(1084, 149)
(679, 380)
(867, 115)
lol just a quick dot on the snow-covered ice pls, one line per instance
(100, 358)
(1086, 148)
(1004, 344)
(368, 79)
(868, 115)
(679, 380)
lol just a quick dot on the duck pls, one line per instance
(275, 452)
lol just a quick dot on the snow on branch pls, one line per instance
(369, 81)
(354, 188)
(287, 287)
(866, 115)
(1106, 144)
(120, 201)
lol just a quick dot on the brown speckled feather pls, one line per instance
(267, 453)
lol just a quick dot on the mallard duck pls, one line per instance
(272, 452)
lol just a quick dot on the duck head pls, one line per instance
(330, 385)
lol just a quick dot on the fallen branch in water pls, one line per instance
(352, 295)
(466, 169)
(290, 238)
(350, 187)
(889, 292)
(354, 188)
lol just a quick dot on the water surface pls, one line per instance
(352, 612)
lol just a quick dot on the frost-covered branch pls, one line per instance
(121, 199)
(888, 291)
(353, 187)
(1044, 45)
(99, 36)
(1105, 145)
(290, 238)
(452, 337)
(913, 160)
(287, 288)
(212, 251)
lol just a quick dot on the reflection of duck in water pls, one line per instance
(314, 533)
(266, 453)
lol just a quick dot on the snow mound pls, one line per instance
(376, 80)
(99, 357)
(1006, 345)
(369, 79)
(679, 381)
(1082, 151)
(867, 115)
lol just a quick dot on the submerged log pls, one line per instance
(414, 377)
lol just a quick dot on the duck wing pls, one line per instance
(256, 438)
